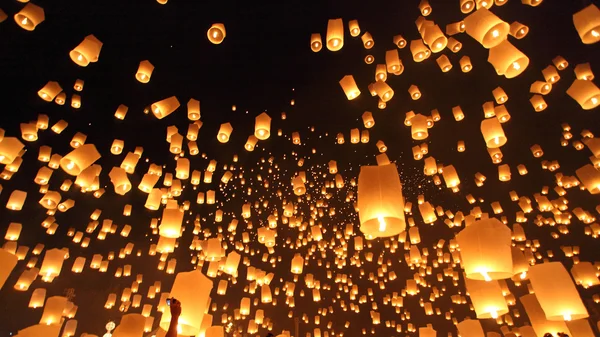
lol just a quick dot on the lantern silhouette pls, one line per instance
(587, 23)
(486, 28)
(216, 33)
(30, 16)
(335, 34)
(224, 132)
(79, 159)
(586, 93)
(349, 86)
(508, 60)
(262, 126)
(315, 42)
(87, 51)
(165, 107)
(485, 250)
(380, 201)
(144, 71)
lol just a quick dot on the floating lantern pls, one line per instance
(492, 132)
(486, 28)
(162, 109)
(144, 71)
(587, 23)
(49, 92)
(367, 40)
(30, 16)
(335, 34)
(315, 42)
(216, 33)
(586, 93)
(262, 126)
(87, 51)
(508, 60)
(79, 159)
(349, 86)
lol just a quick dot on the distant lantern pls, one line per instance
(583, 71)
(224, 132)
(508, 60)
(492, 132)
(50, 91)
(335, 34)
(419, 127)
(192, 289)
(518, 30)
(501, 113)
(29, 132)
(144, 71)
(399, 41)
(30, 16)
(556, 292)
(587, 23)
(193, 107)
(165, 107)
(297, 264)
(87, 51)
(465, 64)
(586, 93)
(499, 95)
(16, 200)
(424, 7)
(485, 250)
(393, 62)
(369, 59)
(560, 63)
(367, 118)
(383, 90)
(251, 143)
(590, 178)
(419, 50)
(78, 86)
(120, 181)
(76, 101)
(467, 6)
(435, 38)
(450, 176)
(486, 28)
(444, 63)
(538, 103)
(79, 159)
(216, 33)
(354, 28)
(380, 201)
(262, 126)
(349, 86)
(367, 40)
(315, 42)
(61, 98)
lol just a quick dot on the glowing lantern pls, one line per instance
(487, 298)
(556, 292)
(501, 113)
(120, 181)
(383, 90)
(434, 38)
(117, 147)
(13, 231)
(231, 263)
(444, 63)
(37, 298)
(504, 172)
(79, 159)
(485, 250)
(419, 50)
(53, 310)
(518, 30)
(424, 7)
(193, 107)
(368, 120)
(182, 171)
(251, 143)
(8, 262)
(262, 126)
(144, 71)
(192, 289)
(315, 42)
(450, 176)
(486, 28)
(30, 16)
(87, 51)
(216, 33)
(335, 34)
(587, 23)
(508, 60)
(52, 264)
(393, 62)
(16, 200)
(414, 92)
(131, 325)
(297, 264)
(419, 127)
(170, 225)
(399, 41)
(349, 86)
(224, 132)
(354, 28)
(381, 146)
(586, 93)
(121, 112)
(165, 107)
(367, 40)
(492, 132)
(583, 71)
(465, 64)
(50, 91)
(467, 6)
(590, 178)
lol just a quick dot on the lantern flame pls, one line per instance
(382, 224)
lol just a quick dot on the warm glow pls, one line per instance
(595, 33)
(24, 21)
(382, 224)
(567, 316)
(516, 65)
(594, 100)
(495, 33)
(493, 313)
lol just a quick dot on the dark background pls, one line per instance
(264, 62)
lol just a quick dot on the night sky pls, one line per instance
(263, 65)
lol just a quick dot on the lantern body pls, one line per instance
(508, 60)
(487, 298)
(30, 16)
(87, 51)
(587, 23)
(485, 250)
(132, 325)
(79, 159)
(53, 310)
(590, 178)
(144, 71)
(8, 262)
(349, 86)
(262, 126)
(492, 132)
(586, 93)
(539, 322)
(556, 292)
(315, 42)
(193, 109)
(486, 28)
(470, 328)
(380, 201)
(216, 33)
(335, 34)
(163, 108)
(419, 127)
(224, 132)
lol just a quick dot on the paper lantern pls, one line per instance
(349, 86)
(297, 264)
(79, 159)
(470, 328)
(414, 92)
(131, 325)
(165, 107)
(262, 126)
(487, 298)
(354, 28)
(224, 132)
(16, 200)
(538, 320)
(504, 172)
(381, 146)
(518, 30)
(53, 310)
(586, 93)
(367, 40)
(120, 181)
(587, 23)
(380, 201)
(540, 87)
(8, 262)
(30, 16)
(467, 6)
(508, 60)
(193, 107)
(50, 91)
(590, 178)
(486, 28)
(29, 132)
(315, 42)
(465, 64)
(121, 112)
(444, 63)
(170, 225)
(419, 50)
(61, 98)
(369, 59)
(424, 7)
(434, 38)
(37, 298)
(584, 274)
(485, 250)
(393, 62)
(144, 71)
(335, 34)
(419, 127)
(450, 176)
(87, 51)
(492, 132)
(399, 41)
(583, 71)
(192, 289)
(13, 231)
(117, 147)
(383, 90)
(216, 33)
(380, 75)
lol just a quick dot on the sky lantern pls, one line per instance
(120, 181)
(165, 107)
(224, 132)
(486, 297)
(465, 64)
(335, 34)
(315, 42)
(556, 292)
(419, 50)
(518, 30)
(383, 90)
(79, 159)
(399, 41)
(380, 201)
(485, 250)
(8, 262)
(537, 317)
(144, 71)
(393, 62)
(262, 126)
(435, 38)
(486, 28)
(367, 40)
(30, 16)
(492, 132)
(131, 325)
(587, 23)
(87, 51)
(470, 328)
(193, 107)
(349, 86)
(508, 60)
(170, 225)
(586, 93)
(467, 6)
(16, 200)
(590, 178)
(53, 310)
(216, 33)
(49, 92)
(424, 7)
(419, 127)
(297, 264)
